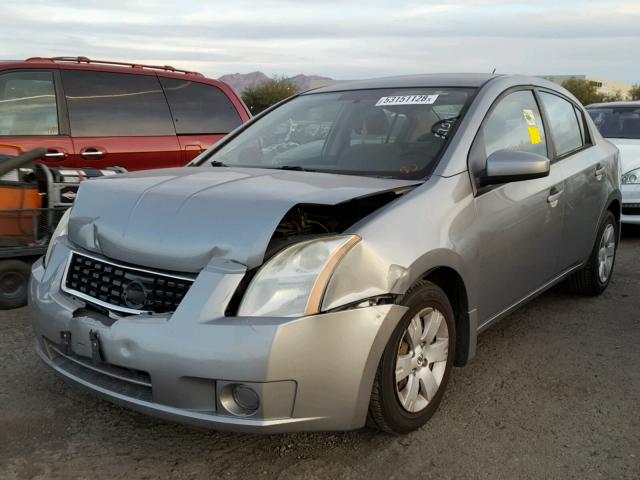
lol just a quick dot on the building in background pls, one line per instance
(606, 87)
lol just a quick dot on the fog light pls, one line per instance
(240, 400)
(246, 398)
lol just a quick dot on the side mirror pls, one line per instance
(513, 166)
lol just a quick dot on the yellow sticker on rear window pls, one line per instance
(534, 135)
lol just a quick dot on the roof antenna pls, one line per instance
(494, 71)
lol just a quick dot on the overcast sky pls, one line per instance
(340, 39)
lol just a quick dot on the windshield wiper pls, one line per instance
(216, 163)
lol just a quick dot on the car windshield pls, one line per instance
(397, 133)
(617, 122)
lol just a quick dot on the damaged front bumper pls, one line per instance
(310, 373)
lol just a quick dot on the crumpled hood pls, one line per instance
(629, 153)
(178, 219)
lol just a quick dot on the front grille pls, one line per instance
(631, 208)
(124, 288)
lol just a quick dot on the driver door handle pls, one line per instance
(554, 196)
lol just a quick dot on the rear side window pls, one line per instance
(515, 124)
(563, 123)
(115, 105)
(28, 104)
(198, 108)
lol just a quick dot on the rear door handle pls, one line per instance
(554, 196)
(600, 169)
(92, 153)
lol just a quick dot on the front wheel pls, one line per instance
(416, 363)
(594, 277)
(14, 283)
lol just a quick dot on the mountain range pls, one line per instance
(242, 81)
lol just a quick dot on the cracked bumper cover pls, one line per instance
(312, 373)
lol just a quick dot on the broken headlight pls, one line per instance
(292, 283)
(60, 230)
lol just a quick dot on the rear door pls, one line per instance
(521, 222)
(202, 114)
(584, 170)
(119, 119)
(32, 113)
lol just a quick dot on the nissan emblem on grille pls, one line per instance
(134, 295)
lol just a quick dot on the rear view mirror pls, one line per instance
(513, 166)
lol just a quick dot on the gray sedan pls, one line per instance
(326, 265)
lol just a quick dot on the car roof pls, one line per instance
(96, 65)
(628, 103)
(473, 80)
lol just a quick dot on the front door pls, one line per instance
(521, 222)
(30, 114)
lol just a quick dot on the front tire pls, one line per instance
(14, 283)
(594, 277)
(416, 363)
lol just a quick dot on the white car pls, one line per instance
(619, 122)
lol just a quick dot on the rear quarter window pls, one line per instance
(198, 108)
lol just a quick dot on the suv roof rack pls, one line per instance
(167, 68)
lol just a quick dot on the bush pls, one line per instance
(268, 93)
(634, 92)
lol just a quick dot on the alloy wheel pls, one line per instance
(421, 359)
(606, 253)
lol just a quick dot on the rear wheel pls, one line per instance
(14, 283)
(416, 363)
(594, 277)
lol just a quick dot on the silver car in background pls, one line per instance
(327, 264)
(619, 122)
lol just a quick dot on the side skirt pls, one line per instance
(528, 297)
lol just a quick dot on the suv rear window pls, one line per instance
(116, 105)
(198, 108)
(28, 104)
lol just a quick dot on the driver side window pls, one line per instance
(514, 124)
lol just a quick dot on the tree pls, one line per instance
(634, 91)
(268, 93)
(584, 90)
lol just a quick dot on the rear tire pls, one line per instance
(14, 283)
(420, 352)
(594, 277)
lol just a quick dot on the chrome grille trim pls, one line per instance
(110, 306)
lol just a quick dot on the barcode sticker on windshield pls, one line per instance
(407, 100)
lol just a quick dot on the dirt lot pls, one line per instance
(554, 392)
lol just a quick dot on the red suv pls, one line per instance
(94, 113)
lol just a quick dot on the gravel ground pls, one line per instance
(553, 393)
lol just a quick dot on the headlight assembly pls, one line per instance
(60, 231)
(632, 177)
(293, 282)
